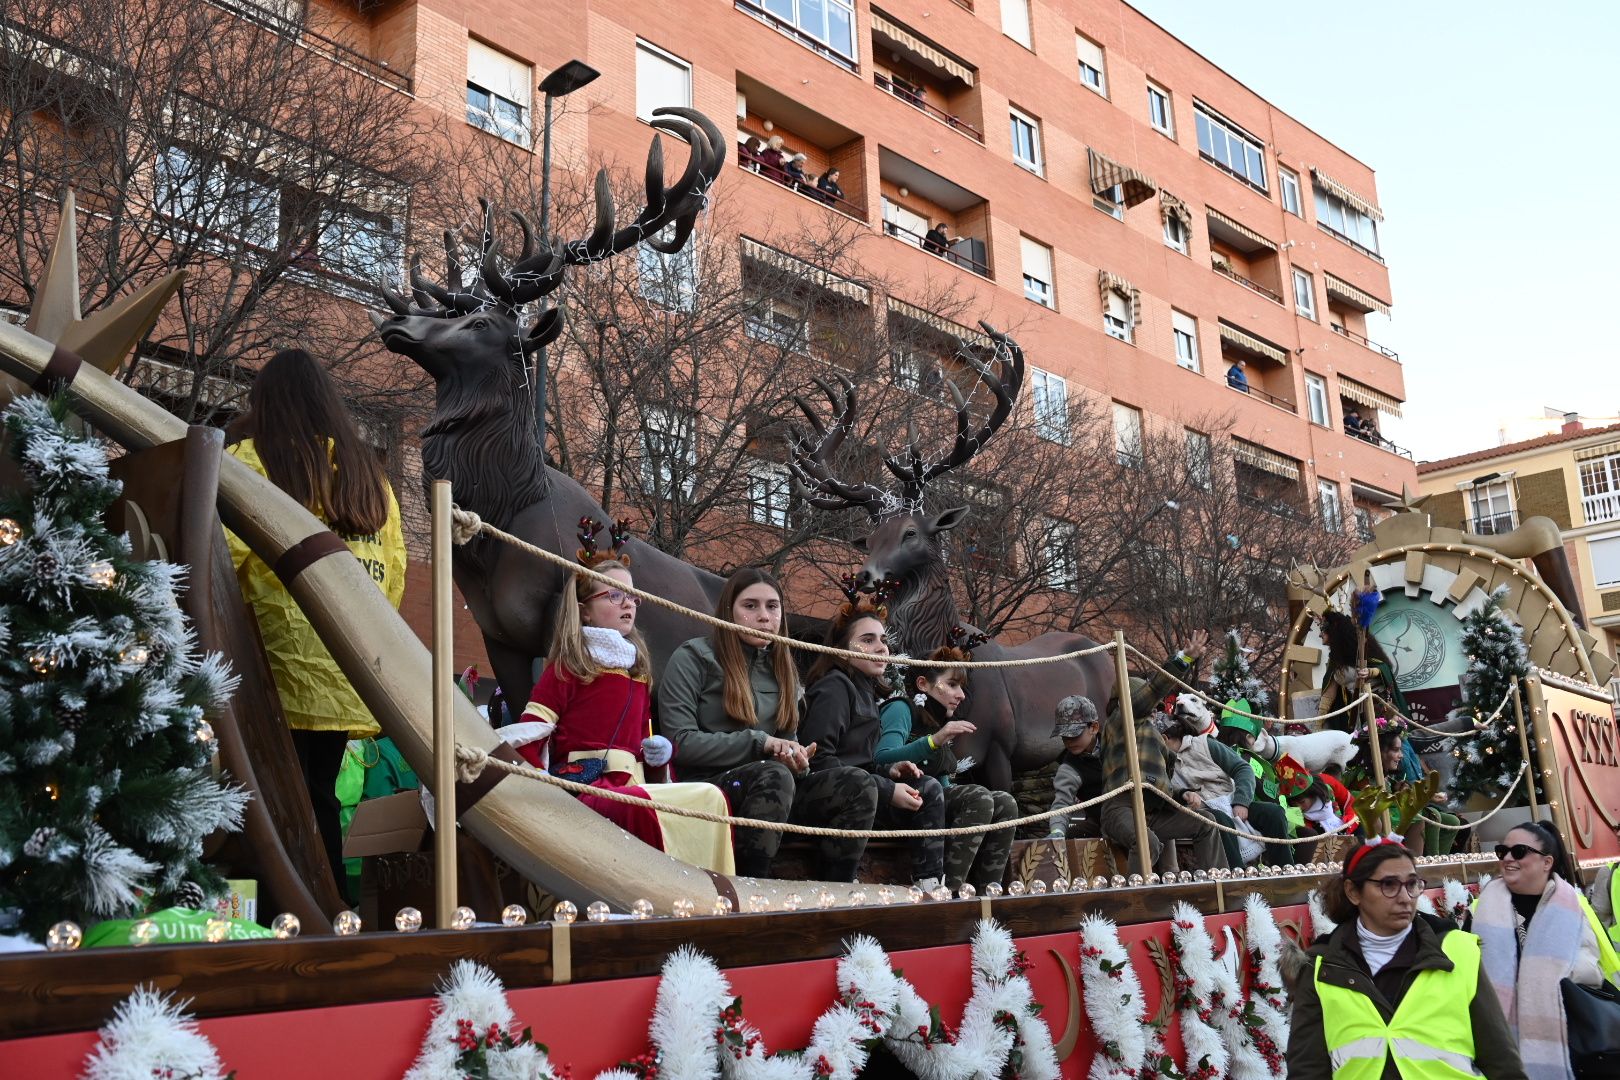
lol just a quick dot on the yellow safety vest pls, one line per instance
(1430, 1037)
(1614, 903)
(1608, 960)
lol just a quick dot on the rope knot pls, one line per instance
(470, 761)
(464, 525)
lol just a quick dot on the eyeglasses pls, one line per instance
(1518, 851)
(615, 597)
(1391, 886)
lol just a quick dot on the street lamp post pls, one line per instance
(560, 83)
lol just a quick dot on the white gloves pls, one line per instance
(656, 750)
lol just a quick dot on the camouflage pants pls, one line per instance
(762, 790)
(982, 857)
(927, 852)
(842, 797)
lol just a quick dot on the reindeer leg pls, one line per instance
(514, 671)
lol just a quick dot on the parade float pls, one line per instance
(545, 941)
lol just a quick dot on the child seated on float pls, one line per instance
(1402, 770)
(589, 718)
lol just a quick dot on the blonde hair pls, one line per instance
(569, 650)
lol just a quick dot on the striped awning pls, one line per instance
(1601, 450)
(926, 50)
(1107, 283)
(815, 275)
(1172, 207)
(1362, 394)
(1333, 187)
(938, 322)
(1107, 173)
(1268, 460)
(1356, 298)
(1239, 228)
(1239, 339)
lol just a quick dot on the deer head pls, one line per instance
(905, 541)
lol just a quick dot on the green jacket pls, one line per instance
(902, 738)
(692, 711)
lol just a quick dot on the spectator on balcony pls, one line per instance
(793, 169)
(1353, 424)
(772, 159)
(828, 186)
(937, 240)
(1236, 376)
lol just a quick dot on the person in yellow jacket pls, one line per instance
(1393, 994)
(298, 434)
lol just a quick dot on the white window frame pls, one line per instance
(1018, 118)
(1184, 335)
(221, 198)
(1200, 459)
(668, 439)
(1060, 556)
(1605, 566)
(1161, 96)
(1117, 321)
(669, 281)
(1038, 289)
(365, 247)
(1304, 293)
(1339, 217)
(1331, 503)
(1049, 396)
(770, 494)
(1127, 435)
(1491, 501)
(1600, 488)
(1216, 138)
(1093, 61)
(1016, 22)
(916, 370)
(1111, 202)
(1177, 237)
(796, 13)
(770, 324)
(651, 59)
(486, 67)
(1288, 190)
(1316, 400)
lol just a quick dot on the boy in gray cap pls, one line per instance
(1079, 771)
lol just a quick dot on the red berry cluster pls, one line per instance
(731, 1032)
(643, 1065)
(823, 1067)
(467, 1035)
(1021, 965)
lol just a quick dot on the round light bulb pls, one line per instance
(1060, 884)
(792, 902)
(1016, 888)
(757, 903)
(939, 892)
(885, 895)
(347, 923)
(143, 932)
(286, 925)
(407, 920)
(598, 911)
(682, 908)
(857, 898)
(64, 936)
(217, 930)
(915, 894)
(826, 900)
(1037, 886)
(463, 918)
(10, 532)
(641, 908)
(993, 890)
(565, 912)
(967, 891)
(514, 915)
(1117, 881)
(722, 906)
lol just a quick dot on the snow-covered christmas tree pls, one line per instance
(1235, 678)
(106, 791)
(1488, 762)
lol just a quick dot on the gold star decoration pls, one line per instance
(1409, 502)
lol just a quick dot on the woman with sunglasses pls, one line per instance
(1535, 930)
(589, 720)
(1392, 993)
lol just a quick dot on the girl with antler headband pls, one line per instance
(841, 720)
(921, 729)
(589, 718)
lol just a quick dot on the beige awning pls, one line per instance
(1356, 298)
(1362, 394)
(940, 323)
(1172, 207)
(898, 35)
(1240, 228)
(1107, 283)
(1268, 460)
(1333, 187)
(1107, 173)
(1247, 342)
(1601, 450)
(815, 275)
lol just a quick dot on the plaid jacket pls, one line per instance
(1158, 762)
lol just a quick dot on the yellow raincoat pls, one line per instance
(314, 694)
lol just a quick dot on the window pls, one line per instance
(1184, 329)
(1117, 317)
(916, 370)
(362, 246)
(1175, 233)
(1338, 216)
(661, 79)
(1092, 71)
(1304, 294)
(221, 198)
(670, 450)
(670, 281)
(770, 494)
(1492, 507)
(498, 95)
(1605, 554)
(1051, 398)
(1200, 460)
(831, 22)
(1159, 114)
(1127, 435)
(1229, 146)
(1288, 185)
(1600, 489)
(1111, 202)
(1059, 543)
(776, 322)
(1037, 272)
(1327, 495)
(1026, 142)
(1316, 399)
(1015, 22)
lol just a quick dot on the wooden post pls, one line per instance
(1524, 748)
(1371, 716)
(444, 733)
(1128, 715)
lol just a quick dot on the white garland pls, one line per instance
(1113, 1001)
(1425, 904)
(473, 993)
(151, 1035)
(1267, 1015)
(1321, 924)
(1458, 899)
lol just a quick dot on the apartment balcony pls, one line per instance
(773, 131)
(825, 27)
(1365, 343)
(915, 71)
(1241, 254)
(919, 205)
(1360, 402)
(1265, 367)
(1494, 524)
(291, 20)
(1604, 506)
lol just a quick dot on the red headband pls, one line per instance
(1369, 844)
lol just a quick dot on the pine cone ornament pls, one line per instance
(47, 568)
(36, 845)
(71, 716)
(190, 895)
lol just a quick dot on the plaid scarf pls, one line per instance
(1525, 966)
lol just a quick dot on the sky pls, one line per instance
(1493, 131)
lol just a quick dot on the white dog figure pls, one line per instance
(1315, 751)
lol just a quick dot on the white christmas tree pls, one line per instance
(1489, 762)
(1234, 677)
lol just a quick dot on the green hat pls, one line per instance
(1237, 720)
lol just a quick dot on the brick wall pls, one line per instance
(1544, 494)
(1446, 510)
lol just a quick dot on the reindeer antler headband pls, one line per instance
(618, 536)
(965, 641)
(873, 601)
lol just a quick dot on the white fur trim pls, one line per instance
(526, 732)
(149, 1033)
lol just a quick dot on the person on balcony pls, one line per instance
(793, 169)
(1354, 425)
(937, 240)
(772, 159)
(828, 186)
(1236, 377)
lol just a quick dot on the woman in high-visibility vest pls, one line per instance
(1535, 930)
(1393, 994)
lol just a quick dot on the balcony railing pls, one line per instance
(1343, 239)
(1494, 524)
(905, 235)
(1269, 398)
(1379, 441)
(752, 161)
(1276, 507)
(917, 101)
(333, 50)
(1601, 507)
(1359, 340)
(1225, 270)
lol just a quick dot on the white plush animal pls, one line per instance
(1316, 751)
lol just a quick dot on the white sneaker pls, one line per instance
(928, 884)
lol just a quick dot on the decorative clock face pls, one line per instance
(1423, 642)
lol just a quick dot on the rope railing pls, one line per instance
(1219, 827)
(1479, 726)
(1190, 689)
(1497, 809)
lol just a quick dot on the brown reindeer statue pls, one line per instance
(1012, 708)
(485, 438)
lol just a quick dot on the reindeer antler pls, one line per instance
(811, 465)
